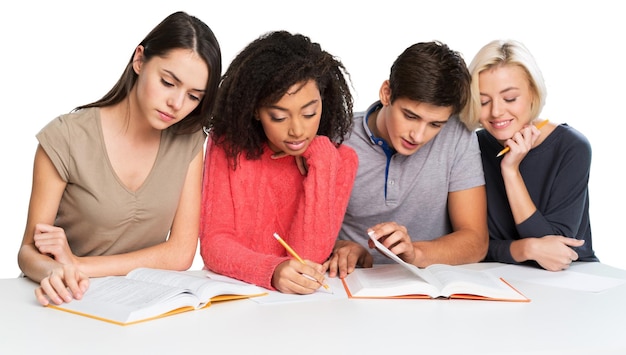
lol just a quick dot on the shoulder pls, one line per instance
(359, 116)
(347, 153)
(569, 138)
(81, 118)
(455, 132)
(573, 133)
(192, 141)
(358, 122)
(454, 128)
(82, 122)
(482, 134)
(563, 147)
(455, 125)
(358, 136)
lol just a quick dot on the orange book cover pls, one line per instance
(404, 280)
(390, 281)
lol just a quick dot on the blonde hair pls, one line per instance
(501, 53)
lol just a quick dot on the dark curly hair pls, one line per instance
(261, 74)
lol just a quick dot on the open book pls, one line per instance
(146, 294)
(404, 280)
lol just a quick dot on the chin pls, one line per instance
(407, 152)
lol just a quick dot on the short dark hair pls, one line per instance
(432, 73)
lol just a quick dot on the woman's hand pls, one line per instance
(292, 276)
(52, 241)
(520, 144)
(62, 284)
(552, 252)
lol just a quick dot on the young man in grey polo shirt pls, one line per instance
(419, 188)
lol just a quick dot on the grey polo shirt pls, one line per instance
(410, 190)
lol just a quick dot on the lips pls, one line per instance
(166, 117)
(295, 145)
(408, 145)
(501, 124)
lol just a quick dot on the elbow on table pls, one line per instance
(482, 247)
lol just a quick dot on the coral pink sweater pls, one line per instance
(242, 208)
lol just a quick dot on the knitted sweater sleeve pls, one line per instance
(322, 206)
(224, 247)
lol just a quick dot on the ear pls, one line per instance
(138, 59)
(385, 93)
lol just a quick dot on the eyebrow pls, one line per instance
(505, 90)
(421, 118)
(276, 107)
(180, 82)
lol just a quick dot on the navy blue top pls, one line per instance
(556, 174)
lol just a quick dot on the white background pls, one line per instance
(56, 55)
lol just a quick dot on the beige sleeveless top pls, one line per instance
(99, 214)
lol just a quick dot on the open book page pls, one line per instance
(457, 280)
(205, 287)
(152, 293)
(452, 281)
(387, 281)
(121, 300)
(395, 281)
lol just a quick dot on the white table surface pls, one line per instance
(558, 320)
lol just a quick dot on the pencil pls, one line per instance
(293, 253)
(507, 148)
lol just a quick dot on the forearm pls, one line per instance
(519, 199)
(460, 247)
(500, 251)
(34, 265)
(246, 257)
(327, 189)
(170, 255)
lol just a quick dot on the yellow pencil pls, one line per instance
(506, 149)
(293, 253)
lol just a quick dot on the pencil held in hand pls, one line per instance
(293, 253)
(506, 149)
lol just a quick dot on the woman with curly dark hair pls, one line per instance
(275, 164)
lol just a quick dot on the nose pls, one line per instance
(496, 109)
(296, 127)
(176, 99)
(417, 133)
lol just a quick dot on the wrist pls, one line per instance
(509, 172)
(521, 249)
